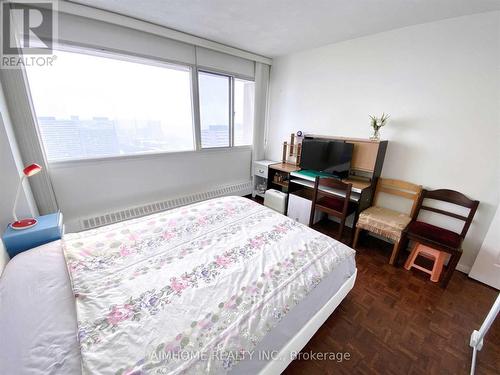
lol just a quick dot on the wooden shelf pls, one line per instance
(357, 184)
(366, 140)
(283, 184)
(355, 196)
(285, 167)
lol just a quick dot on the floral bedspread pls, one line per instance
(193, 289)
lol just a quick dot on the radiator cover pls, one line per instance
(102, 219)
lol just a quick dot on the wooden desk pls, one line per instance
(284, 169)
(355, 196)
(357, 184)
(367, 156)
(303, 188)
(366, 166)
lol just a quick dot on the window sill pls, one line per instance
(155, 155)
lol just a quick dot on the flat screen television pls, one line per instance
(333, 157)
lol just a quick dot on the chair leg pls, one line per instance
(452, 264)
(356, 237)
(311, 216)
(403, 244)
(341, 229)
(412, 257)
(437, 268)
(395, 252)
(353, 232)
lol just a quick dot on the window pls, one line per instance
(214, 110)
(226, 110)
(95, 106)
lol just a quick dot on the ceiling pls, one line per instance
(277, 27)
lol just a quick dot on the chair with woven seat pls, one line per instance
(332, 198)
(386, 222)
(440, 238)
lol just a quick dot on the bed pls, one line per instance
(221, 286)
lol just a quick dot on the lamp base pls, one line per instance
(23, 224)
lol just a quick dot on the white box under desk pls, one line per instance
(299, 207)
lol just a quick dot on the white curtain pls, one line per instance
(262, 72)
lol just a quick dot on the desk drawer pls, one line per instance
(259, 170)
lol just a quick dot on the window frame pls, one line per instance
(230, 107)
(232, 78)
(243, 78)
(194, 70)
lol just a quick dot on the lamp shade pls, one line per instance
(32, 169)
(29, 222)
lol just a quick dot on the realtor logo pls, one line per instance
(28, 28)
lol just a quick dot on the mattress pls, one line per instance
(38, 318)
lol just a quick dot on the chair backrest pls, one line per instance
(453, 197)
(334, 183)
(399, 188)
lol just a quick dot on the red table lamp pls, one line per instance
(29, 222)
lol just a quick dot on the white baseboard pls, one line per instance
(463, 268)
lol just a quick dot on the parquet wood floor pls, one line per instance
(398, 322)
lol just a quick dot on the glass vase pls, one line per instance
(375, 135)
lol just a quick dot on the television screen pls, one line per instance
(333, 157)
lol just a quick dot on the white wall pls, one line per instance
(10, 169)
(87, 188)
(439, 81)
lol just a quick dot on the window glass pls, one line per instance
(214, 110)
(93, 106)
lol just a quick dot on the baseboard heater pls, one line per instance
(100, 220)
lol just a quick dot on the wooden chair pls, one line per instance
(439, 238)
(385, 222)
(338, 205)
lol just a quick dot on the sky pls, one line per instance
(89, 86)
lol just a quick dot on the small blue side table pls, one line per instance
(49, 228)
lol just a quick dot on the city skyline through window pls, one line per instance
(93, 106)
(214, 109)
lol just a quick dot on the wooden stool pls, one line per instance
(429, 253)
